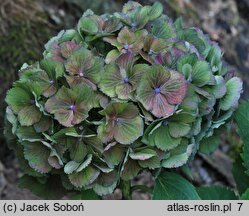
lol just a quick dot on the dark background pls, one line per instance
(26, 25)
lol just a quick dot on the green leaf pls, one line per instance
(85, 177)
(187, 171)
(102, 190)
(178, 23)
(46, 82)
(83, 68)
(171, 186)
(201, 73)
(242, 120)
(144, 154)
(113, 154)
(131, 170)
(240, 177)
(88, 25)
(28, 134)
(219, 89)
(77, 149)
(52, 67)
(126, 36)
(86, 195)
(206, 105)
(160, 90)
(190, 35)
(245, 195)
(209, 145)
(130, 6)
(178, 129)
(107, 179)
(161, 138)
(111, 25)
(191, 101)
(177, 160)
(85, 164)
(187, 71)
(234, 90)
(63, 132)
(103, 167)
(155, 46)
(65, 182)
(111, 56)
(123, 123)
(43, 125)
(29, 115)
(151, 163)
(119, 80)
(70, 106)
(156, 10)
(37, 155)
(70, 167)
(189, 59)
(55, 160)
(140, 17)
(150, 128)
(10, 116)
(110, 79)
(50, 189)
(17, 98)
(24, 165)
(162, 28)
(21, 99)
(216, 193)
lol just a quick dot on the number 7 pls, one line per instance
(240, 205)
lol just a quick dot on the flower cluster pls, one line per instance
(117, 95)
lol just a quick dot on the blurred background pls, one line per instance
(26, 25)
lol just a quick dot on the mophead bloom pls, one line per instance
(119, 94)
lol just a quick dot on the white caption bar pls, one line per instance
(123, 208)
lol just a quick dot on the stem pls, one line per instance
(142, 188)
(126, 190)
